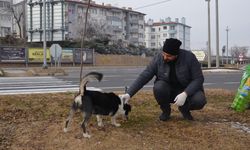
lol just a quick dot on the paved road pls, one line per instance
(115, 79)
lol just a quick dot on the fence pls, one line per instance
(20, 56)
(29, 56)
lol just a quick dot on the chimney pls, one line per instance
(109, 5)
(176, 20)
(183, 20)
(150, 22)
(168, 19)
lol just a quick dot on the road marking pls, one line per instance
(34, 85)
(231, 82)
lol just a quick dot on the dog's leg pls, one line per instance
(69, 120)
(113, 121)
(99, 121)
(86, 117)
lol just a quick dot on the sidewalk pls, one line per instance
(36, 71)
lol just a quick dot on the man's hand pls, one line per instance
(124, 97)
(180, 99)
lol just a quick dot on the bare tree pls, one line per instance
(237, 50)
(17, 11)
(94, 30)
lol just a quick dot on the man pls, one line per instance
(179, 80)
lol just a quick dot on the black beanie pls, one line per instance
(172, 46)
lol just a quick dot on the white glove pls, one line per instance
(125, 97)
(180, 99)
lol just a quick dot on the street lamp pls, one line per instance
(227, 43)
(209, 39)
(44, 36)
(217, 34)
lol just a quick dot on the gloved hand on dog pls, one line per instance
(125, 97)
(180, 99)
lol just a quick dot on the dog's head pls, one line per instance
(127, 109)
(124, 108)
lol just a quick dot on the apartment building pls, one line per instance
(5, 18)
(65, 21)
(157, 32)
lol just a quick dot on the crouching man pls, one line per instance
(179, 80)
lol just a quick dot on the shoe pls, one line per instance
(164, 116)
(186, 113)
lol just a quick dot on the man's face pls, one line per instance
(168, 57)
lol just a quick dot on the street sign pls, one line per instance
(55, 51)
(200, 55)
(241, 57)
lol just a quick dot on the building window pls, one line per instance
(172, 35)
(152, 36)
(164, 27)
(152, 29)
(172, 27)
(152, 44)
(159, 29)
(140, 35)
(165, 34)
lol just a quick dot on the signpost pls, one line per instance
(241, 58)
(56, 53)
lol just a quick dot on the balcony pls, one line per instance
(172, 31)
(117, 29)
(134, 21)
(133, 39)
(133, 30)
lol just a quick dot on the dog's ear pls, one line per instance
(127, 107)
(123, 100)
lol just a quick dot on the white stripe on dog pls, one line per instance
(78, 100)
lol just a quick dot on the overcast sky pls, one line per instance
(232, 13)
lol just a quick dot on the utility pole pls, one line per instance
(44, 36)
(217, 35)
(227, 43)
(209, 38)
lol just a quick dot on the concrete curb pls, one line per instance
(221, 70)
(31, 72)
(1, 72)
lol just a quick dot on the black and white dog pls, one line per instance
(98, 103)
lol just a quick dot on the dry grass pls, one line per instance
(36, 122)
(120, 60)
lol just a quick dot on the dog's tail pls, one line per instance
(89, 77)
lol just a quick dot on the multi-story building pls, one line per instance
(65, 21)
(5, 18)
(157, 32)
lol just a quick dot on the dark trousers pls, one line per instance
(165, 94)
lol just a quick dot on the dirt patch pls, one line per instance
(46, 72)
(37, 121)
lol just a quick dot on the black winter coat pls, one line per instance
(188, 73)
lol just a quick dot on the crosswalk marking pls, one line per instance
(28, 85)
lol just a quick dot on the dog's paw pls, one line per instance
(117, 124)
(65, 130)
(100, 124)
(86, 135)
